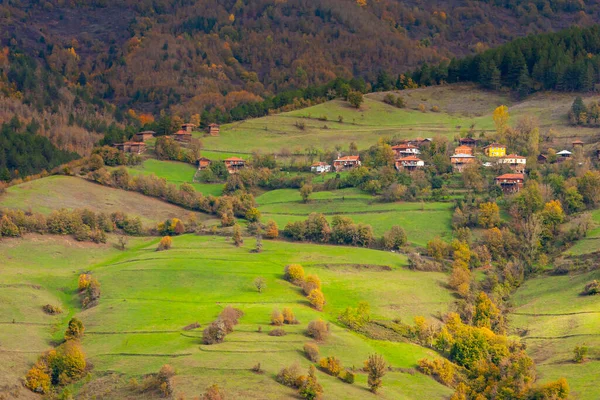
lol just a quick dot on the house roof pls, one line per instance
(182, 132)
(234, 159)
(515, 156)
(409, 158)
(188, 124)
(462, 156)
(403, 146)
(320, 164)
(542, 156)
(564, 153)
(147, 132)
(349, 158)
(468, 140)
(213, 125)
(511, 177)
(496, 145)
(203, 159)
(577, 142)
(134, 143)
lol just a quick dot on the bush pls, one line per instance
(347, 377)
(74, 330)
(37, 380)
(214, 333)
(289, 376)
(238, 240)
(230, 317)
(253, 214)
(294, 273)
(442, 369)
(311, 282)
(394, 239)
(310, 388)
(84, 281)
(316, 299)
(66, 363)
(165, 243)
(311, 350)
(8, 228)
(288, 317)
(272, 230)
(52, 310)
(376, 367)
(318, 330)
(592, 288)
(213, 392)
(579, 354)
(331, 365)
(277, 332)
(277, 318)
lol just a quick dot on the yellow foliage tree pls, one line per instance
(489, 215)
(317, 299)
(361, 3)
(501, 118)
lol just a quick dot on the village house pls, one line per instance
(320, 167)
(234, 164)
(346, 162)
(419, 141)
(577, 143)
(510, 183)
(495, 150)
(463, 150)
(185, 133)
(467, 141)
(542, 159)
(514, 162)
(143, 136)
(409, 163)
(203, 163)
(405, 150)
(460, 161)
(563, 155)
(213, 129)
(131, 147)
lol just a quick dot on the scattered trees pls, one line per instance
(305, 192)
(355, 98)
(376, 367)
(74, 330)
(260, 284)
(223, 325)
(311, 350)
(318, 330)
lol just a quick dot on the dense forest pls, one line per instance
(566, 60)
(24, 152)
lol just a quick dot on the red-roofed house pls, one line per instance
(577, 143)
(234, 164)
(405, 150)
(510, 183)
(346, 162)
(515, 162)
(409, 163)
(467, 141)
(188, 127)
(463, 150)
(131, 147)
(460, 161)
(213, 129)
(203, 163)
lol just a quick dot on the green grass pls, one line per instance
(147, 297)
(555, 319)
(55, 192)
(176, 173)
(421, 221)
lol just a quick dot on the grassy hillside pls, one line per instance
(460, 107)
(553, 318)
(148, 297)
(55, 192)
(421, 221)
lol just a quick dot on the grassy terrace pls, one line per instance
(422, 221)
(555, 318)
(148, 297)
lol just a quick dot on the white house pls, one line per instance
(320, 167)
(409, 163)
(405, 150)
(515, 162)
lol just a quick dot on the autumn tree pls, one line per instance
(272, 230)
(316, 299)
(501, 118)
(305, 191)
(355, 98)
(260, 284)
(395, 238)
(489, 215)
(165, 243)
(376, 367)
(238, 240)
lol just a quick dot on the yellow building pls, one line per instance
(495, 150)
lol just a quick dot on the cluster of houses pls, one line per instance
(137, 145)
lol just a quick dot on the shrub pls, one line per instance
(316, 299)
(214, 333)
(318, 330)
(165, 243)
(331, 365)
(394, 239)
(310, 283)
(579, 354)
(91, 295)
(356, 318)
(592, 288)
(84, 281)
(257, 369)
(37, 380)
(277, 332)
(66, 362)
(277, 318)
(376, 367)
(74, 330)
(230, 317)
(289, 376)
(310, 387)
(294, 273)
(253, 214)
(272, 230)
(238, 240)
(347, 377)
(213, 392)
(52, 310)
(442, 369)
(311, 351)
(8, 228)
(288, 317)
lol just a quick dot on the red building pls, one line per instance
(510, 183)
(203, 163)
(131, 147)
(213, 129)
(346, 162)
(234, 164)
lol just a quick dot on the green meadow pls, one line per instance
(148, 297)
(553, 317)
